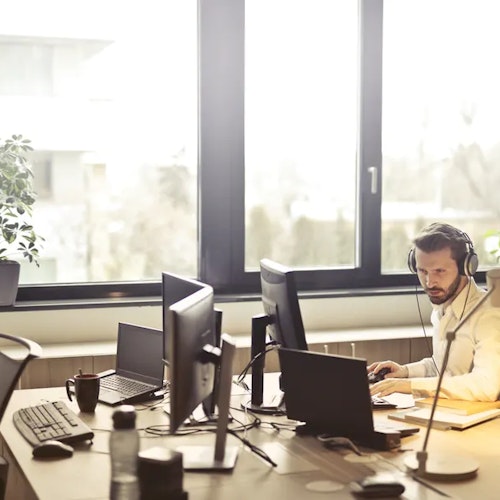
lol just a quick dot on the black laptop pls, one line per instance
(330, 395)
(139, 367)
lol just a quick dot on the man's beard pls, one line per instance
(452, 289)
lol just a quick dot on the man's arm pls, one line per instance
(482, 383)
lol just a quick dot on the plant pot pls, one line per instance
(9, 281)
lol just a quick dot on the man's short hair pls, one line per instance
(438, 235)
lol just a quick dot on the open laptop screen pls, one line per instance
(139, 352)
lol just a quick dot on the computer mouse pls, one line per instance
(52, 449)
(377, 486)
(377, 377)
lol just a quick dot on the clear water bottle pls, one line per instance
(124, 451)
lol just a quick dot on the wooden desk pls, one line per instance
(302, 461)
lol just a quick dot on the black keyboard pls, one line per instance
(52, 420)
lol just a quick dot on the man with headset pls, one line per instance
(444, 260)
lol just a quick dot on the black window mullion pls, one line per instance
(370, 142)
(221, 155)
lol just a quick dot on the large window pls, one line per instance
(441, 113)
(301, 93)
(200, 136)
(107, 93)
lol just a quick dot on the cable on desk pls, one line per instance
(255, 449)
(333, 442)
(210, 426)
(164, 430)
(150, 406)
(193, 427)
(280, 426)
(270, 346)
(246, 427)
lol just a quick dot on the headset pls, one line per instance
(467, 264)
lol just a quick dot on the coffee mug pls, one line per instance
(86, 390)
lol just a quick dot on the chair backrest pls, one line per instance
(13, 363)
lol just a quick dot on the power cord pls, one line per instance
(254, 449)
(270, 346)
(338, 442)
(163, 430)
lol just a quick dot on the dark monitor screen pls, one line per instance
(138, 353)
(190, 323)
(281, 304)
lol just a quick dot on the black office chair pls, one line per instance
(11, 368)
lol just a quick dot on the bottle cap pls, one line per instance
(124, 417)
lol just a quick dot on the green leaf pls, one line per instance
(17, 198)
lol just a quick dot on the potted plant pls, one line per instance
(18, 239)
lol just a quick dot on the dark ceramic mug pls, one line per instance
(86, 387)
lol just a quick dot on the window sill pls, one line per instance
(314, 339)
(112, 302)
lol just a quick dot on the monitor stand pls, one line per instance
(209, 403)
(258, 404)
(219, 457)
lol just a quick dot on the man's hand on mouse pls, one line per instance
(397, 370)
(395, 381)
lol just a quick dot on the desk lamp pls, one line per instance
(438, 466)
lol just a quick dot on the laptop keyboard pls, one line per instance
(124, 386)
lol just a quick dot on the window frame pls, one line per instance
(221, 189)
(223, 217)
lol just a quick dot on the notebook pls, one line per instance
(444, 420)
(139, 367)
(458, 406)
(331, 395)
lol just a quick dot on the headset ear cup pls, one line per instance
(412, 263)
(471, 263)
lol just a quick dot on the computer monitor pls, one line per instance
(282, 321)
(174, 289)
(192, 358)
(281, 305)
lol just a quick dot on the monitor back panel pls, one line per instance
(329, 393)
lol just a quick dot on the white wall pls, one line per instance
(95, 324)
